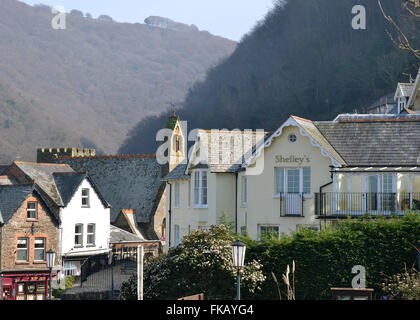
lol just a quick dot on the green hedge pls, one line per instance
(325, 259)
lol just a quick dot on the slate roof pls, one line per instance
(67, 184)
(314, 132)
(371, 140)
(221, 156)
(12, 197)
(3, 168)
(124, 181)
(42, 175)
(120, 236)
(178, 173)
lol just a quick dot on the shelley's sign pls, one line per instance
(292, 159)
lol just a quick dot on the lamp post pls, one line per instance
(238, 256)
(50, 265)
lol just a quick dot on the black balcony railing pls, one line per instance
(360, 203)
(291, 204)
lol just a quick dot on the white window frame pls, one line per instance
(285, 181)
(44, 240)
(32, 210)
(177, 195)
(22, 249)
(78, 234)
(199, 188)
(87, 197)
(90, 234)
(244, 191)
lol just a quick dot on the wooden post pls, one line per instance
(140, 254)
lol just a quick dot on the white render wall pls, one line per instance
(74, 214)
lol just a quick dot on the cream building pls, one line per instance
(304, 174)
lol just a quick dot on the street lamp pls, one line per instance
(238, 256)
(50, 265)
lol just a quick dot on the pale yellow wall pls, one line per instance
(262, 207)
(225, 195)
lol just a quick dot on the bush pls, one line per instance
(202, 264)
(403, 286)
(324, 259)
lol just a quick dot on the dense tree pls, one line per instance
(304, 59)
(93, 80)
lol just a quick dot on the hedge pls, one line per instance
(324, 259)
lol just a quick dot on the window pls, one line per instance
(200, 189)
(91, 234)
(279, 178)
(189, 193)
(85, 197)
(177, 235)
(177, 194)
(39, 252)
(32, 210)
(292, 180)
(22, 249)
(244, 191)
(292, 138)
(71, 268)
(78, 235)
(307, 180)
(266, 231)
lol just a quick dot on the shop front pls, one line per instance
(25, 286)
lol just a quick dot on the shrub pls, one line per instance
(403, 286)
(324, 259)
(202, 264)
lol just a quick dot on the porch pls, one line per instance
(342, 204)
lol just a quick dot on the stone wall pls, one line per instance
(19, 226)
(50, 155)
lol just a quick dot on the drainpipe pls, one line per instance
(236, 202)
(320, 195)
(1, 274)
(169, 215)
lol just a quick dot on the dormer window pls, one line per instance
(85, 198)
(32, 210)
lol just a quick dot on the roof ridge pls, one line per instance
(17, 185)
(70, 173)
(299, 118)
(117, 156)
(42, 164)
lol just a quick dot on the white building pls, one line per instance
(84, 226)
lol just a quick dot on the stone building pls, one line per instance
(28, 228)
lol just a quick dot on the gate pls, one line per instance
(104, 272)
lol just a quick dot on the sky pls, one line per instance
(227, 18)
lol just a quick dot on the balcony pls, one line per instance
(342, 204)
(291, 204)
